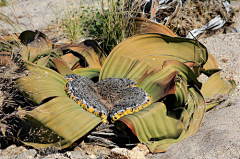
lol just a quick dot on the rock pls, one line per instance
(27, 154)
(56, 155)
(94, 150)
(79, 150)
(141, 148)
(13, 150)
(76, 155)
(92, 156)
(126, 154)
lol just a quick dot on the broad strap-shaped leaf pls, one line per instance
(45, 72)
(194, 66)
(183, 70)
(180, 97)
(44, 60)
(191, 120)
(216, 89)
(161, 145)
(36, 44)
(158, 129)
(158, 84)
(133, 56)
(211, 66)
(144, 25)
(196, 109)
(70, 59)
(192, 111)
(62, 67)
(89, 51)
(38, 87)
(216, 85)
(47, 61)
(122, 67)
(51, 64)
(87, 72)
(41, 83)
(152, 123)
(65, 118)
(212, 104)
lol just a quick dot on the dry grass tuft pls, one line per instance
(197, 13)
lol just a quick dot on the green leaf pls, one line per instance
(216, 85)
(41, 83)
(90, 50)
(196, 109)
(158, 125)
(38, 87)
(45, 72)
(210, 66)
(70, 59)
(184, 71)
(62, 67)
(98, 24)
(180, 97)
(43, 61)
(87, 72)
(152, 123)
(51, 63)
(158, 84)
(194, 66)
(65, 118)
(144, 25)
(133, 56)
(57, 52)
(216, 89)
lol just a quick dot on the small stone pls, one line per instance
(56, 155)
(27, 154)
(203, 78)
(92, 156)
(75, 155)
(78, 149)
(13, 150)
(126, 154)
(141, 148)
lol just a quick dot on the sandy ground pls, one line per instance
(37, 14)
(219, 134)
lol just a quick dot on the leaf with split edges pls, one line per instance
(133, 56)
(63, 117)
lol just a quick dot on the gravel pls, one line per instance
(225, 48)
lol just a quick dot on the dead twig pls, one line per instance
(102, 141)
